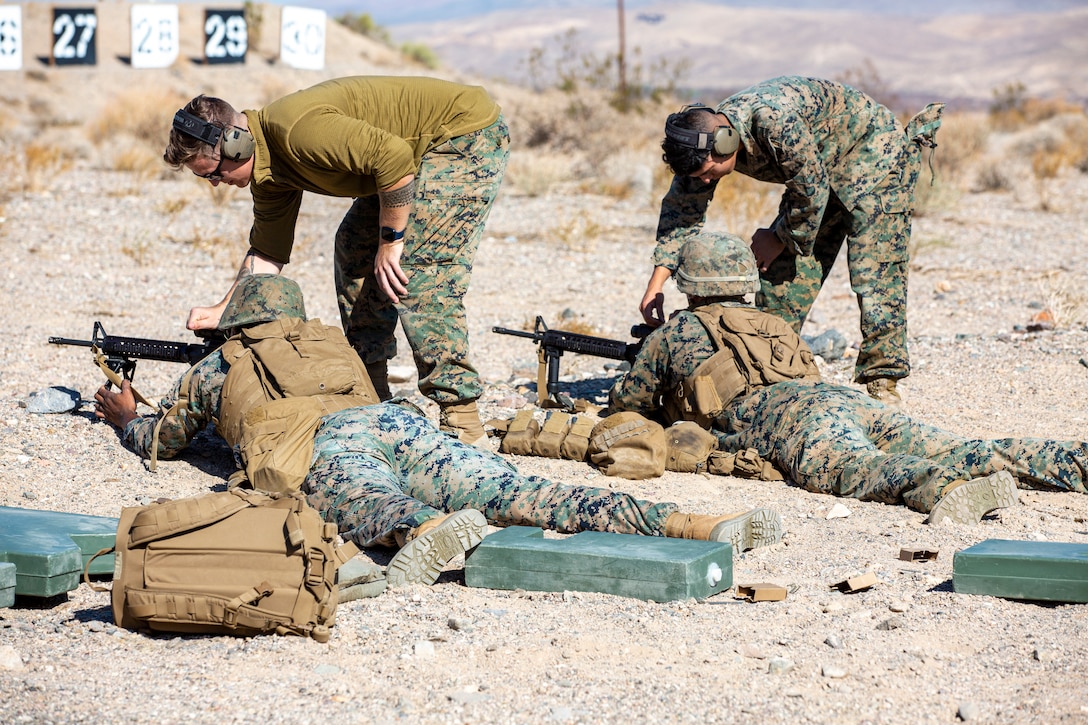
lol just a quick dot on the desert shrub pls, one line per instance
(144, 114)
(420, 53)
(961, 143)
(866, 79)
(579, 234)
(144, 163)
(1064, 303)
(536, 172)
(1013, 109)
(584, 122)
(42, 163)
(254, 15)
(993, 175)
(628, 82)
(172, 205)
(363, 24)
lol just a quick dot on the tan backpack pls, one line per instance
(755, 349)
(237, 562)
(628, 445)
(284, 376)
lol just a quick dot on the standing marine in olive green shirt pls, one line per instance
(423, 159)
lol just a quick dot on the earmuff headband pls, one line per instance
(237, 145)
(197, 128)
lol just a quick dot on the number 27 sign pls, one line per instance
(74, 36)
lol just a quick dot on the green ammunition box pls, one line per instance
(49, 549)
(1038, 570)
(643, 567)
(7, 584)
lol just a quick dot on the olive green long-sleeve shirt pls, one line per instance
(349, 137)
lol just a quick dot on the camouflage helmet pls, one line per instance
(262, 298)
(717, 265)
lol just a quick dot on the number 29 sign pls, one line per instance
(226, 36)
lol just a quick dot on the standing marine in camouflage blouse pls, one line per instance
(827, 438)
(849, 169)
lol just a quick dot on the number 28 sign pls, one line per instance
(154, 36)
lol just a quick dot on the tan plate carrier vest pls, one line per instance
(284, 376)
(754, 349)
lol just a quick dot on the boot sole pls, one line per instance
(421, 560)
(758, 527)
(967, 504)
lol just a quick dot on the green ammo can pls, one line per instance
(628, 565)
(1037, 570)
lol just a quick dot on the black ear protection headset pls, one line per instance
(723, 141)
(237, 142)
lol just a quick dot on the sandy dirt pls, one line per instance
(136, 253)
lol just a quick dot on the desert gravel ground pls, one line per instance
(135, 255)
(909, 649)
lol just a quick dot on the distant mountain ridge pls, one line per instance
(420, 11)
(958, 58)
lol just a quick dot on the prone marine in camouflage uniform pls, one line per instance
(423, 159)
(386, 476)
(827, 438)
(849, 169)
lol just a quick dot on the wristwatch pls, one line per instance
(389, 235)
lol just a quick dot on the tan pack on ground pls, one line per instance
(237, 562)
(743, 464)
(284, 376)
(755, 349)
(688, 446)
(549, 440)
(520, 434)
(628, 445)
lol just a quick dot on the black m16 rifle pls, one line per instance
(553, 343)
(117, 356)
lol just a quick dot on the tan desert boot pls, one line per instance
(748, 530)
(431, 545)
(966, 502)
(464, 420)
(884, 390)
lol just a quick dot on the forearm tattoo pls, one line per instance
(398, 197)
(247, 265)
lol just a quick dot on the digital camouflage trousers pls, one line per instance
(456, 186)
(837, 440)
(381, 468)
(877, 236)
